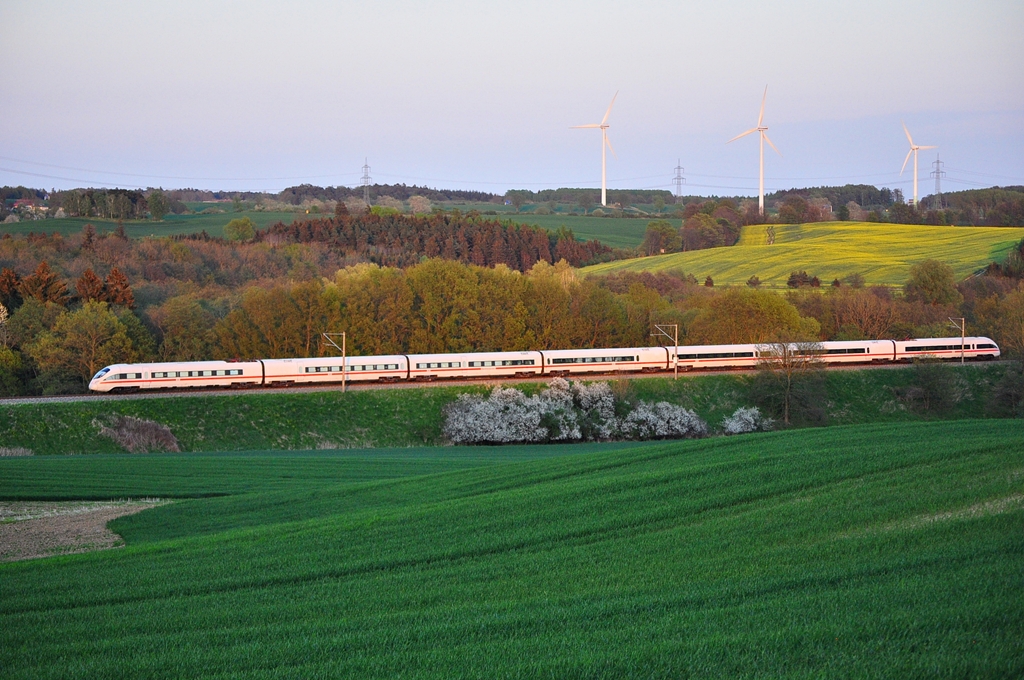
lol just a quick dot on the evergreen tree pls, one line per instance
(119, 292)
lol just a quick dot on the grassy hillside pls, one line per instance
(872, 551)
(882, 253)
(268, 420)
(169, 226)
(615, 232)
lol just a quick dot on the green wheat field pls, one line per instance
(886, 550)
(882, 253)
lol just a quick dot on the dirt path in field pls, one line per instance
(41, 529)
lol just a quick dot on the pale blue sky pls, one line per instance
(263, 95)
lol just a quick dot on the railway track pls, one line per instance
(404, 385)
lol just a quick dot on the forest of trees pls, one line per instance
(393, 239)
(307, 192)
(73, 304)
(588, 197)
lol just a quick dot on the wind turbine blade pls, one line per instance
(765, 135)
(606, 113)
(760, 116)
(928, 147)
(742, 134)
(908, 134)
(905, 161)
(609, 143)
(592, 125)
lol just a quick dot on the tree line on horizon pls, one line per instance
(995, 206)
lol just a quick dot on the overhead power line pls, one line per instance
(131, 174)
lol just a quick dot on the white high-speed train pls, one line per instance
(562, 362)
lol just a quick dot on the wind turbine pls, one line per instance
(914, 148)
(762, 129)
(603, 126)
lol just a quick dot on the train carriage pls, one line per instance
(946, 348)
(856, 351)
(328, 369)
(130, 377)
(716, 356)
(612, 360)
(475, 365)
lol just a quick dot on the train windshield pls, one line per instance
(102, 373)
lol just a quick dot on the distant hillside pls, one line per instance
(881, 253)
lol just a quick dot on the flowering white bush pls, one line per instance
(506, 416)
(747, 420)
(663, 421)
(595, 404)
(563, 412)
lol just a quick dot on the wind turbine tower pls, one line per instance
(763, 131)
(605, 142)
(914, 148)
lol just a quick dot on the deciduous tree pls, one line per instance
(745, 315)
(158, 204)
(661, 237)
(83, 341)
(186, 328)
(790, 381)
(240, 229)
(932, 282)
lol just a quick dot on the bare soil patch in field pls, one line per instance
(41, 529)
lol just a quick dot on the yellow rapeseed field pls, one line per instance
(881, 253)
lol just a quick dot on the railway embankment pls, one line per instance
(270, 420)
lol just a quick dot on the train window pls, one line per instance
(102, 373)
(932, 348)
(563, 361)
(986, 345)
(717, 355)
(848, 350)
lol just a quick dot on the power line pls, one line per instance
(130, 174)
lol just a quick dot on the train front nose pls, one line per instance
(96, 383)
